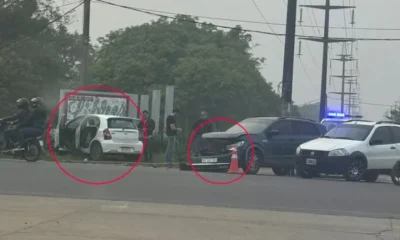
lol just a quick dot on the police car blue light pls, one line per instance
(336, 115)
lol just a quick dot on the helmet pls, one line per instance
(23, 103)
(37, 101)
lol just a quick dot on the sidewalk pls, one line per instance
(39, 218)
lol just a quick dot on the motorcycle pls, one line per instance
(32, 147)
(395, 174)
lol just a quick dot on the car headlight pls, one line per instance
(338, 152)
(298, 150)
(236, 145)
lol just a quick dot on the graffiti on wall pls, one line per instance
(88, 104)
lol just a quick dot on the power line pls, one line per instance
(233, 28)
(315, 19)
(345, 25)
(45, 27)
(362, 103)
(367, 103)
(265, 20)
(301, 61)
(244, 20)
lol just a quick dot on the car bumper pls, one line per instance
(118, 148)
(222, 161)
(327, 165)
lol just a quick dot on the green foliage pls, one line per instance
(35, 56)
(394, 114)
(310, 111)
(212, 70)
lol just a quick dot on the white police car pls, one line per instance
(336, 118)
(356, 149)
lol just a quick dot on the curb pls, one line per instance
(154, 165)
(115, 163)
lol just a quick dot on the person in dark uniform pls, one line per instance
(150, 125)
(197, 140)
(18, 119)
(35, 124)
(171, 131)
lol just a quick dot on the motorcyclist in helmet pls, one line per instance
(17, 119)
(35, 124)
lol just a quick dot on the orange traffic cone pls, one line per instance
(234, 167)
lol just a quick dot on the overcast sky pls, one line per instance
(378, 60)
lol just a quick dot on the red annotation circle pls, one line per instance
(194, 134)
(51, 148)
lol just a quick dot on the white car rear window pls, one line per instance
(124, 123)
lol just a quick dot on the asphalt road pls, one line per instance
(160, 185)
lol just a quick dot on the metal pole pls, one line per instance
(287, 76)
(343, 83)
(323, 97)
(86, 41)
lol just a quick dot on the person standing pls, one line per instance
(197, 140)
(171, 131)
(150, 125)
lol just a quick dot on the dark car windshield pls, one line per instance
(349, 131)
(253, 126)
(124, 123)
(331, 124)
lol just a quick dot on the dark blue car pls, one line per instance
(275, 142)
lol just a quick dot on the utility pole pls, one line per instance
(287, 76)
(344, 58)
(325, 40)
(85, 42)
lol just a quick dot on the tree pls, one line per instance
(36, 55)
(212, 70)
(310, 111)
(394, 114)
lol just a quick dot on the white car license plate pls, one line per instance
(127, 149)
(209, 160)
(311, 161)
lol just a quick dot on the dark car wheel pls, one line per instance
(395, 174)
(305, 171)
(280, 171)
(33, 151)
(371, 176)
(355, 171)
(96, 152)
(255, 167)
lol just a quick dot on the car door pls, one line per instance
(280, 143)
(304, 132)
(66, 136)
(88, 131)
(78, 131)
(380, 156)
(395, 130)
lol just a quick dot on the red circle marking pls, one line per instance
(190, 144)
(51, 148)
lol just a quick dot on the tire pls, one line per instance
(304, 171)
(96, 151)
(255, 167)
(371, 176)
(395, 174)
(280, 171)
(34, 151)
(355, 171)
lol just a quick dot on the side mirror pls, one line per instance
(375, 142)
(272, 133)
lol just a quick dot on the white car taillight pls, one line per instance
(107, 134)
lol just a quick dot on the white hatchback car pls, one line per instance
(97, 135)
(356, 149)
